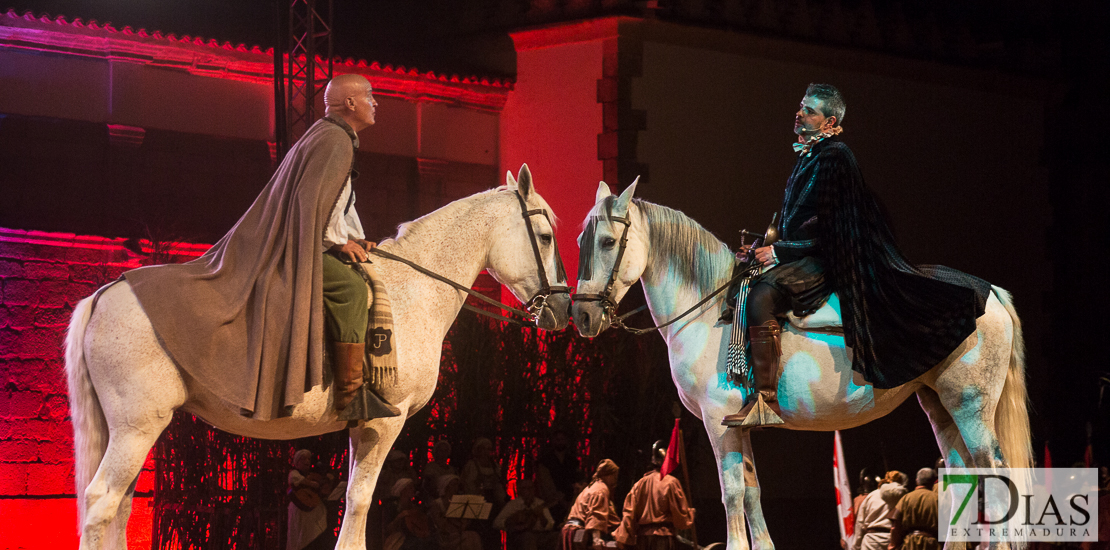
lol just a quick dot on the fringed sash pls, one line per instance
(380, 368)
(739, 371)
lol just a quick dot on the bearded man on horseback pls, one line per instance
(899, 320)
(248, 318)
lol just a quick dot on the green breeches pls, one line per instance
(345, 298)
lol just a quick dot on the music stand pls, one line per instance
(468, 507)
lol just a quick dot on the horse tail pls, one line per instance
(90, 428)
(1011, 418)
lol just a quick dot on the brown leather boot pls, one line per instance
(761, 408)
(347, 366)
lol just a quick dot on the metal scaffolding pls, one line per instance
(309, 63)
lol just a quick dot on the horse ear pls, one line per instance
(602, 192)
(524, 181)
(510, 181)
(626, 197)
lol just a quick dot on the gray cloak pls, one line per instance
(246, 319)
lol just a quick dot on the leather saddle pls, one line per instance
(826, 319)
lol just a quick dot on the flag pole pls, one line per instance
(845, 511)
(677, 410)
(686, 478)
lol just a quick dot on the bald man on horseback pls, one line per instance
(350, 102)
(899, 320)
(248, 319)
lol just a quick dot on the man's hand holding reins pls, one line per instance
(355, 250)
(764, 255)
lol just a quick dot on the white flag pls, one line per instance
(843, 493)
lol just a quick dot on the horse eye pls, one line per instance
(545, 239)
(608, 242)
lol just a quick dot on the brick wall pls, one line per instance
(42, 277)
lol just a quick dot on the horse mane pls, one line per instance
(697, 255)
(454, 207)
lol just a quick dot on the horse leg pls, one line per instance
(739, 487)
(137, 387)
(114, 482)
(972, 408)
(949, 441)
(951, 445)
(117, 530)
(370, 443)
(753, 509)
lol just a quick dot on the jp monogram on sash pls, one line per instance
(380, 341)
(1018, 504)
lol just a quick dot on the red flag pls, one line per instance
(670, 462)
(843, 493)
(1047, 464)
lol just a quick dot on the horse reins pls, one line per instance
(610, 305)
(535, 305)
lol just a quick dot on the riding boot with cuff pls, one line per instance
(355, 400)
(762, 407)
(346, 364)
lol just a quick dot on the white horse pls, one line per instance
(975, 399)
(124, 388)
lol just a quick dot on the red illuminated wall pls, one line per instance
(42, 276)
(114, 124)
(552, 120)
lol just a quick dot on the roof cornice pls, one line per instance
(210, 58)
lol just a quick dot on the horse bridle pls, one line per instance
(534, 307)
(536, 304)
(609, 305)
(605, 297)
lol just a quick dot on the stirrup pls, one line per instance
(759, 416)
(367, 405)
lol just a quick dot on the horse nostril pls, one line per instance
(584, 317)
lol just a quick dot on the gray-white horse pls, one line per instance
(975, 399)
(124, 388)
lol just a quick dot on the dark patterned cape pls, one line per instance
(246, 319)
(899, 320)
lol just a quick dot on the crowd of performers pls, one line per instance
(557, 509)
(892, 513)
(560, 509)
(895, 512)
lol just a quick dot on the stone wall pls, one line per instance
(42, 277)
